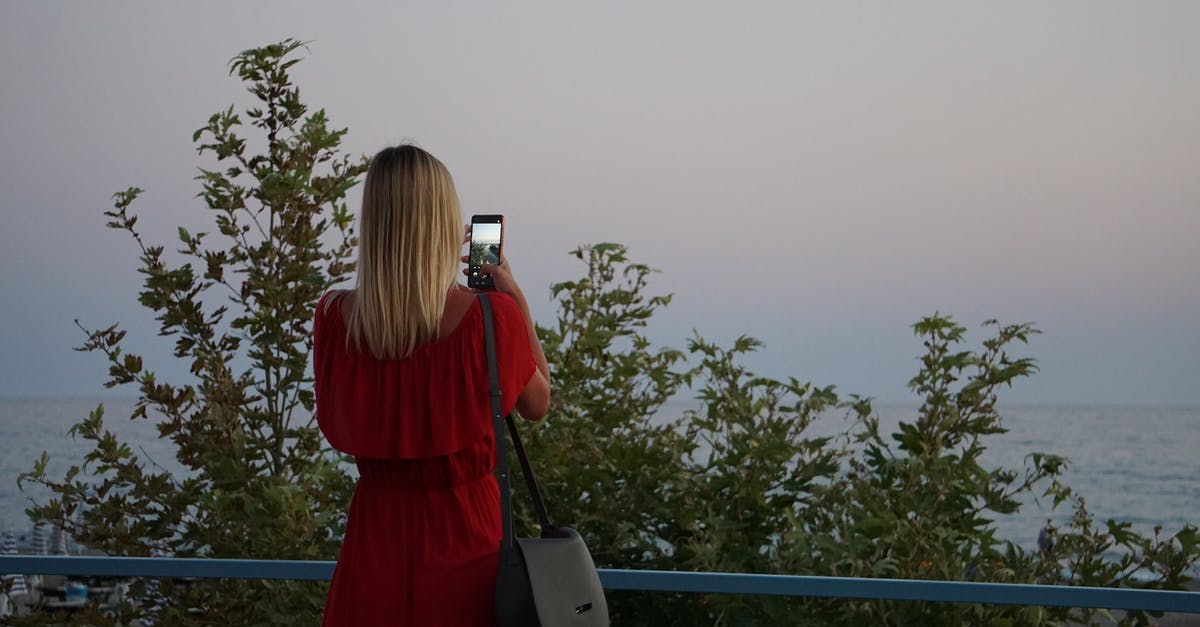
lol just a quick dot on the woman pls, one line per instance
(402, 385)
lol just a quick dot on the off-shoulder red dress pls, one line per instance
(424, 529)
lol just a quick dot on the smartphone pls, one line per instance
(487, 238)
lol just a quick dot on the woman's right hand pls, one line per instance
(502, 278)
(501, 274)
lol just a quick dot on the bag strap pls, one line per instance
(502, 471)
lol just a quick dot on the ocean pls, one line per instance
(1138, 464)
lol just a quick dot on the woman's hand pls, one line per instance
(501, 274)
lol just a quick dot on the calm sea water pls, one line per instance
(1139, 464)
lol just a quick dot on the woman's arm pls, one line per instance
(534, 401)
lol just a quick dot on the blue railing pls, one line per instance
(651, 580)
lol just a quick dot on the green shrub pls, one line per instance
(739, 483)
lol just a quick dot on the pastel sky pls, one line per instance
(817, 175)
(485, 233)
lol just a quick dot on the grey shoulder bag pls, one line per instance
(549, 581)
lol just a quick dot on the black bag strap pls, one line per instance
(502, 472)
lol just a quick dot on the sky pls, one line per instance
(816, 175)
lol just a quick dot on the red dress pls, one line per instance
(424, 527)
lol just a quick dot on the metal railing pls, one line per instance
(652, 580)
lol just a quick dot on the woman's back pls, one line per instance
(424, 526)
(430, 403)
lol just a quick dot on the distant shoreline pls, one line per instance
(684, 398)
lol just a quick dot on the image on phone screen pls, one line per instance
(485, 244)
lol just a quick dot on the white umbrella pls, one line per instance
(155, 600)
(15, 583)
(39, 539)
(60, 541)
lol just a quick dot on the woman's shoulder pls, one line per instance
(509, 320)
(503, 301)
(332, 295)
(505, 309)
(335, 304)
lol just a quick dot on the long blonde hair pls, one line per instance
(410, 240)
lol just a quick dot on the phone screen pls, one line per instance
(486, 237)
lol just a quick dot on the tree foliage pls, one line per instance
(259, 480)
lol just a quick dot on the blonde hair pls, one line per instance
(410, 241)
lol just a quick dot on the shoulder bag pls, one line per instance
(549, 581)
